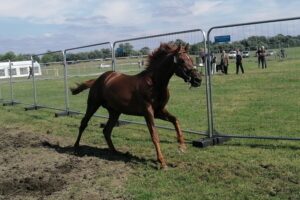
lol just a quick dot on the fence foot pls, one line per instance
(11, 103)
(32, 108)
(119, 123)
(65, 113)
(205, 142)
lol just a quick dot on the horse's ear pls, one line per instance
(187, 46)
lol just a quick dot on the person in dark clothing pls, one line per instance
(258, 52)
(239, 63)
(30, 72)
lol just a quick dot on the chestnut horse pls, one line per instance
(144, 94)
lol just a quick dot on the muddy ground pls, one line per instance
(34, 166)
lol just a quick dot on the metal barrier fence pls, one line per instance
(6, 92)
(274, 111)
(84, 63)
(48, 87)
(130, 57)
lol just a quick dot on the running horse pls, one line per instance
(144, 94)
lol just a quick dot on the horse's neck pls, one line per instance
(161, 74)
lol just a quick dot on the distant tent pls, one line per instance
(19, 69)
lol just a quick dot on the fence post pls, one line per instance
(208, 91)
(66, 80)
(1, 98)
(10, 84)
(67, 105)
(33, 83)
(32, 73)
(11, 101)
(113, 56)
(211, 138)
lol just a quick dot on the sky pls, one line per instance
(35, 26)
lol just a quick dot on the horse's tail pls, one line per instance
(82, 86)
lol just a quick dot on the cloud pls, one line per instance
(119, 13)
(206, 7)
(63, 24)
(37, 11)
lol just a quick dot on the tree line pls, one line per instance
(127, 49)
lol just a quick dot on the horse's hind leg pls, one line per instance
(113, 119)
(91, 109)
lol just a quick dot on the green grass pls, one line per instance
(259, 102)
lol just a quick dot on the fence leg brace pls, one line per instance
(205, 142)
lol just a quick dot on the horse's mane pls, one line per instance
(162, 51)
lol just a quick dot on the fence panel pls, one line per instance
(22, 81)
(188, 104)
(5, 86)
(49, 85)
(84, 63)
(264, 102)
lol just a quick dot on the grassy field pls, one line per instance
(259, 102)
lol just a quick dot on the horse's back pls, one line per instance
(120, 92)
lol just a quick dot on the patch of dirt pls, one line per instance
(36, 166)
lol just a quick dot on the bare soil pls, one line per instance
(34, 166)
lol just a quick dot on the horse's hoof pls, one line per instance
(182, 148)
(164, 167)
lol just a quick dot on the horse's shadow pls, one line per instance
(105, 153)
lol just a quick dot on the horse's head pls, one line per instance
(184, 66)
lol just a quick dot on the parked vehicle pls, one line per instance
(271, 52)
(232, 54)
(246, 54)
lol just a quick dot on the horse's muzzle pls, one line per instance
(195, 79)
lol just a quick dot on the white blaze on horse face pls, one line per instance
(175, 59)
(189, 58)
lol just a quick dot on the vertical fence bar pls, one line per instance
(10, 84)
(66, 81)
(32, 73)
(1, 98)
(66, 91)
(11, 101)
(33, 83)
(113, 56)
(208, 90)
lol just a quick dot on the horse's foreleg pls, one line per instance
(113, 119)
(91, 109)
(149, 117)
(165, 115)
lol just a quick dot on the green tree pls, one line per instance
(145, 50)
(9, 56)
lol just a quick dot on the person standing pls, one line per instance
(213, 63)
(258, 52)
(239, 62)
(263, 57)
(224, 62)
(30, 72)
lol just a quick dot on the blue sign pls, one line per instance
(222, 38)
(120, 51)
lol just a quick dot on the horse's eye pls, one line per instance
(181, 61)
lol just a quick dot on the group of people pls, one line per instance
(224, 63)
(261, 57)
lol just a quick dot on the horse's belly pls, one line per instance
(127, 105)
